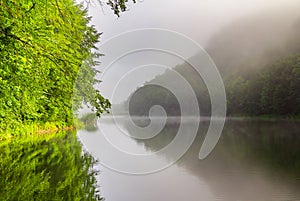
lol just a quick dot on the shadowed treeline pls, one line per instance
(259, 60)
(252, 156)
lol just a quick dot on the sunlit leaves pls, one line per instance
(44, 44)
(118, 6)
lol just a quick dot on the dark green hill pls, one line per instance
(259, 60)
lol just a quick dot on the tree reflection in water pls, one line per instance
(48, 167)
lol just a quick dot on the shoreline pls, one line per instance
(35, 132)
(54, 127)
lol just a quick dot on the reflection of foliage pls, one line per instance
(162, 139)
(270, 144)
(47, 168)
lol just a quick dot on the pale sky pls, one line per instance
(196, 19)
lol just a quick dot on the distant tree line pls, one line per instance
(273, 91)
(261, 77)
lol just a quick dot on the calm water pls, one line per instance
(253, 161)
(46, 167)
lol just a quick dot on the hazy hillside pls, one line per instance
(255, 41)
(257, 58)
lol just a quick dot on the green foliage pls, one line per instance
(29, 129)
(118, 6)
(274, 91)
(144, 97)
(271, 91)
(44, 46)
(149, 96)
(260, 70)
(49, 167)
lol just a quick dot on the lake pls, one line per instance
(46, 167)
(254, 160)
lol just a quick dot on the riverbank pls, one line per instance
(53, 127)
(38, 129)
(265, 118)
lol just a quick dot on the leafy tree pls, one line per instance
(118, 6)
(45, 46)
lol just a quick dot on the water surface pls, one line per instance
(254, 160)
(46, 167)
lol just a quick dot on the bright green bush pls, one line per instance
(44, 47)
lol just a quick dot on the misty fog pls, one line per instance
(233, 32)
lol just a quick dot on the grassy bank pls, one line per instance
(37, 129)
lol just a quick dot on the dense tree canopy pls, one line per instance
(45, 45)
(273, 91)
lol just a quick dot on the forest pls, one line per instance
(45, 47)
(51, 133)
(259, 61)
(48, 54)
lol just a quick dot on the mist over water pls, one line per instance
(231, 31)
(254, 160)
(254, 48)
